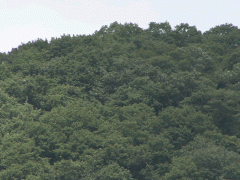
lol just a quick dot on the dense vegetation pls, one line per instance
(123, 103)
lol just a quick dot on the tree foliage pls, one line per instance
(123, 103)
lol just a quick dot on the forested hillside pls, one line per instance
(123, 103)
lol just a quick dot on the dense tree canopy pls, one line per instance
(123, 103)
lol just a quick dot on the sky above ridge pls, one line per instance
(27, 20)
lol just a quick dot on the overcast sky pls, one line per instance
(26, 20)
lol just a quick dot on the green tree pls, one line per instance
(20, 158)
(185, 34)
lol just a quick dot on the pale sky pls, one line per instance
(26, 20)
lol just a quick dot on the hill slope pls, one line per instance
(123, 103)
